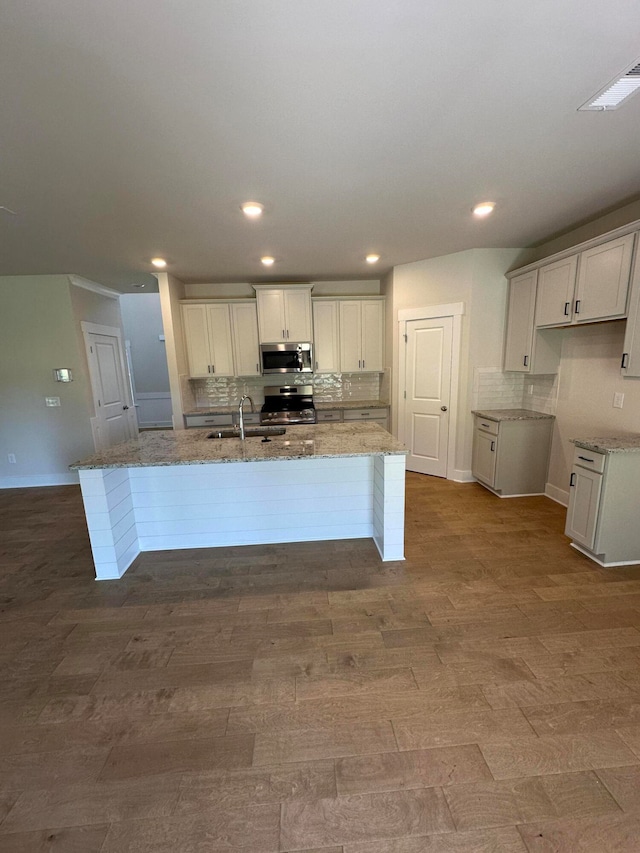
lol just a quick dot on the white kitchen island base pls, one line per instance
(164, 507)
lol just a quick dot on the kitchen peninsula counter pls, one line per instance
(171, 490)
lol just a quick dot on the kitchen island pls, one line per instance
(179, 489)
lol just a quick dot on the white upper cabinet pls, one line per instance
(630, 364)
(326, 343)
(284, 314)
(362, 335)
(556, 285)
(207, 331)
(603, 281)
(587, 287)
(522, 303)
(246, 350)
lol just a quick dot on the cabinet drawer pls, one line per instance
(487, 426)
(208, 420)
(250, 418)
(589, 459)
(328, 416)
(365, 414)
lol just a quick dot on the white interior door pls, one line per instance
(113, 412)
(428, 391)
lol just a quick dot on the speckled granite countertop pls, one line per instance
(324, 405)
(611, 444)
(191, 447)
(511, 415)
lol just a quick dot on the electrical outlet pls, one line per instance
(618, 400)
(12, 458)
(52, 401)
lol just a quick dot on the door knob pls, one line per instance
(443, 408)
(125, 408)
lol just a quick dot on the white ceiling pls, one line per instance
(135, 129)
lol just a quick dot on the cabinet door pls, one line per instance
(196, 334)
(556, 285)
(603, 281)
(297, 313)
(373, 335)
(325, 335)
(271, 322)
(246, 351)
(631, 351)
(485, 454)
(220, 347)
(584, 500)
(522, 302)
(350, 337)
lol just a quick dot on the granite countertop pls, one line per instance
(511, 415)
(323, 405)
(191, 447)
(611, 444)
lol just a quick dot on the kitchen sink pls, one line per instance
(249, 432)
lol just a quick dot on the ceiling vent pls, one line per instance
(616, 92)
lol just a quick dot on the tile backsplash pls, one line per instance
(493, 389)
(327, 387)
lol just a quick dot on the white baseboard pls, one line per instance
(463, 476)
(556, 494)
(70, 479)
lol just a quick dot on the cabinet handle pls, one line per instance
(363, 363)
(525, 361)
(365, 414)
(625, 360)
(577, 306)
(572, 479)
(316, 365)
(208, 368)
(287, 334)
(586, 459)
(283, 335)
(213, 368)
(359, 364)
(257, 368)
(493, 447)
(485, 425)
(566, 308)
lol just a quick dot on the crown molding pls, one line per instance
(87, 284)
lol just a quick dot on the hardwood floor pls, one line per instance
(481, 697)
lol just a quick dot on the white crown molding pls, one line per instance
(87, 284)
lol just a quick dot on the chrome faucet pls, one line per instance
(241, 413)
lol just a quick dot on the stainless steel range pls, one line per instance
(288, 404)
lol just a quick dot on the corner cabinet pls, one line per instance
(207, 330)
(602, 516)
(284, 314)
(528, 350)
(361, 335)
(511, 457)
(221, 339)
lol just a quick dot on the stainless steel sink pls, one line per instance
(250, 432)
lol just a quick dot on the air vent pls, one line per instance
(616, 92)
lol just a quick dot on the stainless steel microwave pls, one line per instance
(286, 358)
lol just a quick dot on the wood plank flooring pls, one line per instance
(481, 697)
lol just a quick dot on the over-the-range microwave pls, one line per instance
(286, 358)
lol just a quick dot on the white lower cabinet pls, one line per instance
(511, 457)
(602, 516)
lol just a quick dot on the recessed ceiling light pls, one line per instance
(617, 91)
(252, 209)
(267, 260)
(484, 208)
(372, 259)
(160, 263)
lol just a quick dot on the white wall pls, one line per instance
(38, 334)
(142, 323)
(589, 377)
(476, 278)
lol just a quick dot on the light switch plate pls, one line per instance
(618, 400)
(52, 401)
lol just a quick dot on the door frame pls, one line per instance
(89, 329)
(455, 310)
